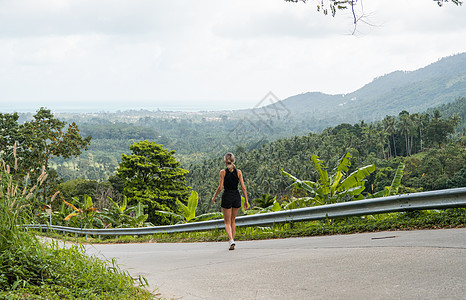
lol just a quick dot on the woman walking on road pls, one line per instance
(231, 199)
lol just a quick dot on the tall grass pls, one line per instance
(16, 202)
(30, 269)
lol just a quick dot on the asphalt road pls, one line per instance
(427, 264)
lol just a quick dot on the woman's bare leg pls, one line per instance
(227, 213)
(234, 212)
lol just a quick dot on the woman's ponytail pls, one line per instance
(230, 161)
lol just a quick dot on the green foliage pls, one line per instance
(45, 137)
(458, 180)
(39, 140)
(9, 136)
(17, 206)
(394, 187)
(84, 217)
(31, 269)
(332, 6)
(188, 212)
(265, 200)
(438, 130)
(383, 144)
(51, 272)
(334, 188)
(122, 216)
(434, 169)
(152, 176)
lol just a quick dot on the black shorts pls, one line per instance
(231, 199)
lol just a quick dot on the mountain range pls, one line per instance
(414, 91)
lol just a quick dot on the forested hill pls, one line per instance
(415, 91)
(430, 145)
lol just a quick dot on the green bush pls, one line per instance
(31, 269)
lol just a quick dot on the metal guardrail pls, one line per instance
(442, 199)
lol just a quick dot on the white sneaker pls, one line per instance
(232, 244)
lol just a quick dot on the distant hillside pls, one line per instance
(448, 110)
(416, 91)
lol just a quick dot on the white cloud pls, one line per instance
(209, 53)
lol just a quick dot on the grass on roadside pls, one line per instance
(34, 270)
(30, 269)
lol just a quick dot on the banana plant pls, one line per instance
(265, 200)
(273, 207)
(120, 216)
(188, 212)
(388, 191)
(335, 188)
(300, 203)
(394, 186)
(140, 219)
(85, 217)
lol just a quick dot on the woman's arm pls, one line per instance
(220, 185)
(243, 187)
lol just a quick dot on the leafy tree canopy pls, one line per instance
(152, 175)
(334, 5)
(326, 6)
(40, 139)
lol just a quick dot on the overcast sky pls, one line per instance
(106, 55)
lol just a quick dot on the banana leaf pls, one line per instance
(321, 169)
(68, 217)
(355, 190)
(192, 204)
(272, 208)
(355, 178)
(124, 204)
(323, 174)
(87, 202)
(140, 209)
(71, 205)
(305, 185)
(301, 203)
(343, 167)
(171, 214)
(396, 182)
(207, 216)
(393, 188)
(252, 211)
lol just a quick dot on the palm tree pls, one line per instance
(382, 139)
(404, 126)
(369, 135)
(419, 122)
(455, 120)
(389, 126)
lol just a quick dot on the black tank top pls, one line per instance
(231, 180)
